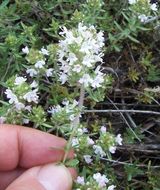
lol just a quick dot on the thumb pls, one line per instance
(48, 177)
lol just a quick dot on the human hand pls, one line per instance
(27, 157)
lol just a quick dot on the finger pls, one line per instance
(25, 147)
(48, 177)
(8, 177)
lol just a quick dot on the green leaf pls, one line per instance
(4, 4)
(72, 163)
(132, 171)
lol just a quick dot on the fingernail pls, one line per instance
(54, 177)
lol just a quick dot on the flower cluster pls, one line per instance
(103, 146)
(38, 62)
(97, 182)
(143, 8)
(65, 113)
(21, 94)
(78, 54)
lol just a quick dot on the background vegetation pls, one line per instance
(132, 57)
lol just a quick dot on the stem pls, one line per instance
(75, 123)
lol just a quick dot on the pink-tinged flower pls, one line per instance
(80, 180)
(87, 159)
(102, 180)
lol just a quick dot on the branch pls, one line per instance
(75, 123)
(122, 111)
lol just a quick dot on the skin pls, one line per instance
(28, 155)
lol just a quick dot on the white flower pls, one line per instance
(80, 131)
(80, 180)
(154, 7)
(75, 142)
(112, 149)
(103, 129)
(11, 96)
(40, 64)
(19, 106)
(63, 78)
(49, 72)
(100, 38)
(2, 119)
(25, 50)
(98, 80)
(19, 80)
(132, 1)
(71, 58)
(77, 68)
(90, 141)
(143, 18)
(85, 130)
(75, 103)
(31, 72)
(65, 102)
(65, 68)
(72, 117)
(28, 108)
(44, 51)
(25, 121)
(55, 109)
(80, 51)
(87, 159)
(98, 150)
(118, 139)
(31, 96)
(111, 187)
(86, 80)
(88, 60)
(102, 180)
(34, 84)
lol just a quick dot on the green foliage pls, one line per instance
(132, 171)
(153, 179)
(153, 74)
(37, 116)
(131, 56)
(130, 136)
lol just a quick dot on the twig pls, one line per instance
(125, 120)
(153, 149)
(130, 164)
(122, 111)
(129, 117)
